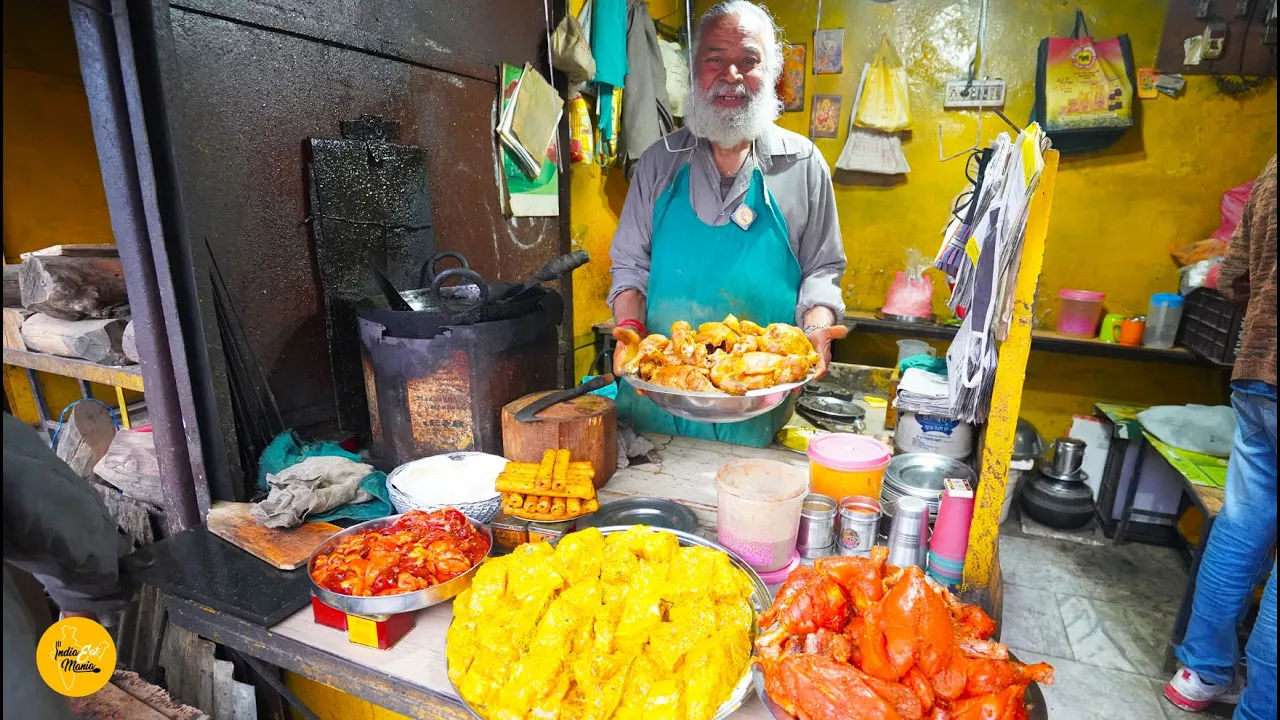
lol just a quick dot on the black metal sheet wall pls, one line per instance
(247, 82)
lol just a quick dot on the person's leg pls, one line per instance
(1239, 547)
(1259, 699)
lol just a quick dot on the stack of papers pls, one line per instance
(525, 194)
(923, 392)
(529, 120)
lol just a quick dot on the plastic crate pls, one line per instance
(1210, 326)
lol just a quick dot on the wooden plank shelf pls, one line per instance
(128, 377)
(1046, 340)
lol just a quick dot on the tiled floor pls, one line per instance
(1101, 616)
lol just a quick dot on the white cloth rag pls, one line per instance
(315, 485)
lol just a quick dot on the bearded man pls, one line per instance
(730, 214)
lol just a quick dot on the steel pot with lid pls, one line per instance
(1027, 443)
(1068, 458)
(921, 475)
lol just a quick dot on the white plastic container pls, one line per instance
(933, 434)
(1163, 317)
(758, 510)
(908, 348)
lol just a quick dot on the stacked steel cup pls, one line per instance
(908, 536)
(950, 539)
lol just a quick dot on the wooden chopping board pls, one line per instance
(285, 549)
(586, 426)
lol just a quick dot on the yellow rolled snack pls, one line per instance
(581, 468)
(522, 467)
(581, 491)
(540, 517)
(591, 505)
(545, 469)
(513, 500)
(557, 506)
(544, 505)
(560, 471)
(573, 507)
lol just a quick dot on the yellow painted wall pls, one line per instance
(52, 183)
(1115, 214)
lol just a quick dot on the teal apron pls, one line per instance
(701, 273)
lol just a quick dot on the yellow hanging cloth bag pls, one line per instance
(885, 104)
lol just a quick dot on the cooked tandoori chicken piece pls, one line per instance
(682, 377)
(856, 638)
(734, 356)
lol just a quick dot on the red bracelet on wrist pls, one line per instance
(634, 325)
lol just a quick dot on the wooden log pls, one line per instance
(586, 426)
(112, 703)
(154, 697)
(131, 466)
(98, 341)
(85, 437)
(13, 319)
(129, 343)
(73, 288)
(133, 517)
(12, 295)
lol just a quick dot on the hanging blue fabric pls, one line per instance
(609, 41)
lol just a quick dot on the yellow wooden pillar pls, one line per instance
(981, 567)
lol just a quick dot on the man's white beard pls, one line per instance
(727, 127)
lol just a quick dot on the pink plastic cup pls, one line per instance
(1080, 312)
(950, 539)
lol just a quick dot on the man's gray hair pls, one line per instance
(769, 33)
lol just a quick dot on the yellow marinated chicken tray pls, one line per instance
(631, 626)
(734, 356)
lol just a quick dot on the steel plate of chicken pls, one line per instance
(733, 356)
(418, 551)
(629, 625)
(854, 639)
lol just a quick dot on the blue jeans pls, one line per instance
(1235, 562)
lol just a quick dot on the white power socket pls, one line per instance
(987, 93)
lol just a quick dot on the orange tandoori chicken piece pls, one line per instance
(985, 677)
(917, 626)
(786, 339)
(682, 377)
(860, 577)
(1008, 704)
(816, 687)
(717, 335)
(806, 602)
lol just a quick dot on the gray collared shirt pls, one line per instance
(794, 171)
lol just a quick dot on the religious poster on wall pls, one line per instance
(791, 81)
(828, 52)
(825, 120)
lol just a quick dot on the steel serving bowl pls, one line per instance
(716, 407)
(390, 604)
(654, 512)
(760, 601)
